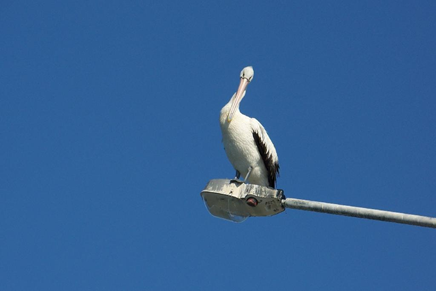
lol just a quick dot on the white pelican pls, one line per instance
(246, 142)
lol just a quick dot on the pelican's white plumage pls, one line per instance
(246, 142)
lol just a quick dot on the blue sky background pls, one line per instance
(109, 132)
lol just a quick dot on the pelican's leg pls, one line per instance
(248, 174)
(237, 175)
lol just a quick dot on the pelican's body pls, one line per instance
(246, 142)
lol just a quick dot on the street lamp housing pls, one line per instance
(235, 200)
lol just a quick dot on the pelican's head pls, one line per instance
(247, 75)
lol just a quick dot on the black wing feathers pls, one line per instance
(271, 166)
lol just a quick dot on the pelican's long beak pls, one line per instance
(237, 99)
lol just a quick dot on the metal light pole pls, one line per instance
(359, 212)
(236, 201)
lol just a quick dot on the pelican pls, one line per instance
(247, 145)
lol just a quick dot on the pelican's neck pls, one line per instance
(226, 109)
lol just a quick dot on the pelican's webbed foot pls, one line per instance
(236, 178)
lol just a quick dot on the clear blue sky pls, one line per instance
(109, 132)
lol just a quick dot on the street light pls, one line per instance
(235, 200)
